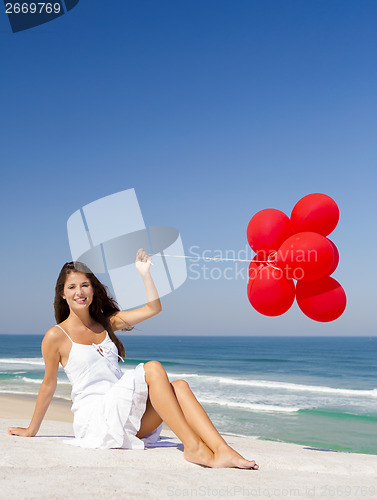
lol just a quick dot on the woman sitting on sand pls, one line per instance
(113, 409)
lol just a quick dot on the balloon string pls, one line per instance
(271, 259)
(220, 258)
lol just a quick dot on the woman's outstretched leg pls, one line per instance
(199, 421)
(165, 404)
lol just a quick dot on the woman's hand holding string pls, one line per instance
(143, 262)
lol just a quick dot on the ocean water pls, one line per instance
(319, 392)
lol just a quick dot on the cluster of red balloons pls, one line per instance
(296, 248)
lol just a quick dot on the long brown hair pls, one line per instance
(101, 309)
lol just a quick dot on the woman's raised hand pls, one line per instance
(143, 262)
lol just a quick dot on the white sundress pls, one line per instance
(107, 404)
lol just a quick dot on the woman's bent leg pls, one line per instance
(177, 406)
(165, 404)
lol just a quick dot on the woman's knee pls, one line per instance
(154, 369)
(180, 385)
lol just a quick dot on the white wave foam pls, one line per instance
(32, 380)
(185, 375)
(299, 387)
(15, 393)
(253, 407)
(25, 393)
(227, 433)
(39, 381)
(285, 386)
(23, 361)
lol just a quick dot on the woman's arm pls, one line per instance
(123, 319)
(51, 355)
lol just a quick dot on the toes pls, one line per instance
(252, 464)
(245, 464)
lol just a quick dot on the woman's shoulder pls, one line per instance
(54, 334)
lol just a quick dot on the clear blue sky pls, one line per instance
(212, 110)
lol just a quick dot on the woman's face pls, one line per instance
(78, 291)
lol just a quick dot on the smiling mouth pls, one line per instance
(80, 301)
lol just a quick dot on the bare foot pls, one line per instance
(199, 454)
(227, 457)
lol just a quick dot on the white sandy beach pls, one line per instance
(43, 467)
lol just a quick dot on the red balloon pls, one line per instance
(336, 258)
(249, 283)
(268, 229)
(259, 261)
(322, 300)
(305, 256)
(253, 270)
(270, 293)
(315, 212)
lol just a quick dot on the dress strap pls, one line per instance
(65, 333)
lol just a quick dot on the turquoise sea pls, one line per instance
(319, 392)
